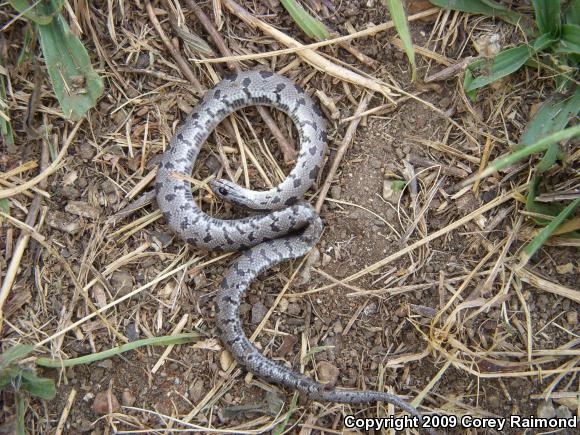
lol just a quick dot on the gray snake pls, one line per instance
(288, 231)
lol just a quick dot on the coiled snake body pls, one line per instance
(288, 231)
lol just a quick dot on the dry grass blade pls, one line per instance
(546, 285)
(54, 166)
(439, 233)
(127, 296)
(371, 31)
(346, 141)
(316, 60)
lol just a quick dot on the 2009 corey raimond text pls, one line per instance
(443, 421)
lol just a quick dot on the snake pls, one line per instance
(285, 228)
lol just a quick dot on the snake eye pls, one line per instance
(223, 191)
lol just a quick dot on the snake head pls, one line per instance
(229, 192)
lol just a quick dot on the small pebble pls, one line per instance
(389, 194)
(293, 309)
(83, 209)
(100, 295)
(572, 317)
(122, 282)
(69, 192)
(565, 268)
(259, 310)
(226, 360)
(283, 305)
(312, 259)
(563, 412)
(546, 409)
(127, 398)
(86, 151)
(82, 183)
(335, 192)
(287, 345)
(107, 364)
(63, 222)
(85, 425)
(213, 164)
(108, 186)
(197, 391)
(326, 259)
(132, 333)
(101, 403)
(370, 309)
(327, 373)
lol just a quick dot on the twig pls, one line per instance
(144, 200)
(287, 149)
(422, 211)
(157, 74)
(346, 141)
(178, 328)
(447, 170)
(23, 239)
(213, 33)
(65, 412)
(181, 62)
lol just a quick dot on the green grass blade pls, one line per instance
(398, 16)
(549, 159)
(547, 16)
(309, 25)
(76, 85)
(313, 351)
(481, 7)
(537, 147)
(554, 115)
(503, 64)
(4, 208)
(543, 42)
(281, 428)
(21, 406)
(539, 208)
(25, 54)
(468, 77)
(531, 248)
(5, 126)
(87, 359)
(14, 354)
(570, 39)
(572, 14)
(40, 387)
(37, 11)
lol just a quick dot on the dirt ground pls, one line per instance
(446, 318)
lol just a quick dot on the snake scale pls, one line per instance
(288, 231)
